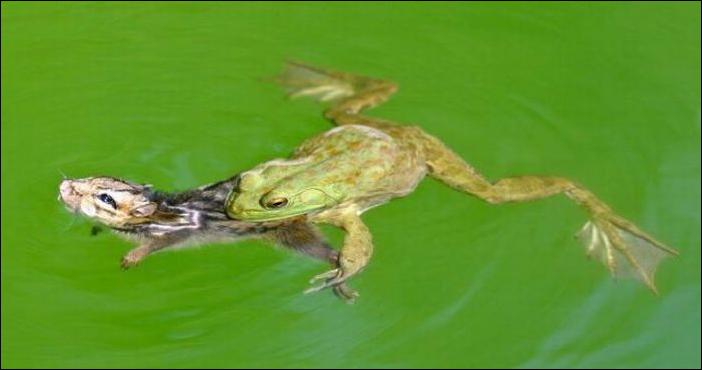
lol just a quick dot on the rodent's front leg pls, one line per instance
(302, 237)
(136, 255)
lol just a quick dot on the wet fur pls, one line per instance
(197, 216)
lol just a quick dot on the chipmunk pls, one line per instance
(158, 220)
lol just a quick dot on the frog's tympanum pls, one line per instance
(364, 162)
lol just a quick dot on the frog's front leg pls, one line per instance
(304, 238)
(356, 251)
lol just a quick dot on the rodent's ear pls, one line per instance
(144, 210)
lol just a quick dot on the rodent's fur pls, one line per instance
(159, 220)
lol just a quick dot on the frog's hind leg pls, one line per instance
(616, 242)
(351, 94)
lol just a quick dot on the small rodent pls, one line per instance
(158, 220)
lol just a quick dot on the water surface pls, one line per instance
(170, 94)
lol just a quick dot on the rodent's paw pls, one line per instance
(130, 260)
(125, 263)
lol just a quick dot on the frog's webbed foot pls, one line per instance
(623, 248)
(303, 80)
(350, 93)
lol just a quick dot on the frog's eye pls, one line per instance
(107, 199)
(276, 203)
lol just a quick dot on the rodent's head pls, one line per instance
(253, 200)
(108, 200)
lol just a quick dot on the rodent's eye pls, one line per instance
(276, 203)
(107, 199)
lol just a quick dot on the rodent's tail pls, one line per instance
(350, 93)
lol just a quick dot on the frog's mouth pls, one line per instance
(236, 212)
(260, 215)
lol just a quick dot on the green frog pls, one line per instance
(364, 162)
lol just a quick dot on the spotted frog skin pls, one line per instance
(364, 162)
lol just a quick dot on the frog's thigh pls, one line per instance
(447, 167)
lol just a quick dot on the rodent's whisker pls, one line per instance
(72, 222)
(63, 175)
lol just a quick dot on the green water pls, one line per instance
(170, 94)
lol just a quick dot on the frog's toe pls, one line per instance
(326, 275)
(334, 279)
(345, 293)
(322, 92)
(317, 288)
(329, 283)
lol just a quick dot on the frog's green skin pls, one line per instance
(364, 162)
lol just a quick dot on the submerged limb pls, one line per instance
(616, 242)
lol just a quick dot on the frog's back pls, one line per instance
(344, 139)
(363, 160)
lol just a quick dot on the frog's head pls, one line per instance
(255, 200)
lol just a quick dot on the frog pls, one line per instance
(364, 162)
